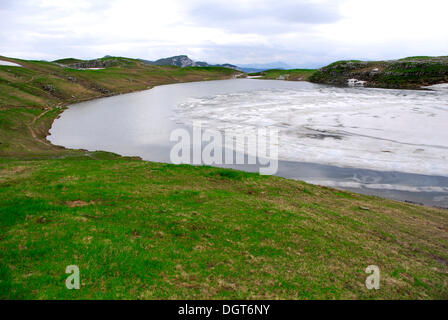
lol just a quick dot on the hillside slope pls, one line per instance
(32, 96)
(407, 73)
(142, 230)
(40, 83)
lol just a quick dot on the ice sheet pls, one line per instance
(391, 130)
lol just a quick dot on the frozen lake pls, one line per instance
(388, 142)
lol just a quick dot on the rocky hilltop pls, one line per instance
(184, 61)
(179, 61)
(407, 73)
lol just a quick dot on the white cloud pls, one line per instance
(302, 33)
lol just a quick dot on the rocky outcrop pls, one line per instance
(98, 63)
(408, 73)
(179, 61)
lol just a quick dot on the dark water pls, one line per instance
(140, 124)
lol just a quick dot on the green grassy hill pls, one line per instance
(32, 96)
(40, 83)
(407, 73)
(142, 230)
(291, 74)
(68, 61)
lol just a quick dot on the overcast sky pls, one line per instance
(302, 33)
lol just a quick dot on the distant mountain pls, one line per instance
(227, 65)
(184, 61)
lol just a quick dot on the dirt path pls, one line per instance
(33, 134)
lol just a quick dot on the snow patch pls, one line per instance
(442, 86)
(10, 64)
(356, 83)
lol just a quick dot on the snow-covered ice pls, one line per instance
(442, 86)
(391, 130)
